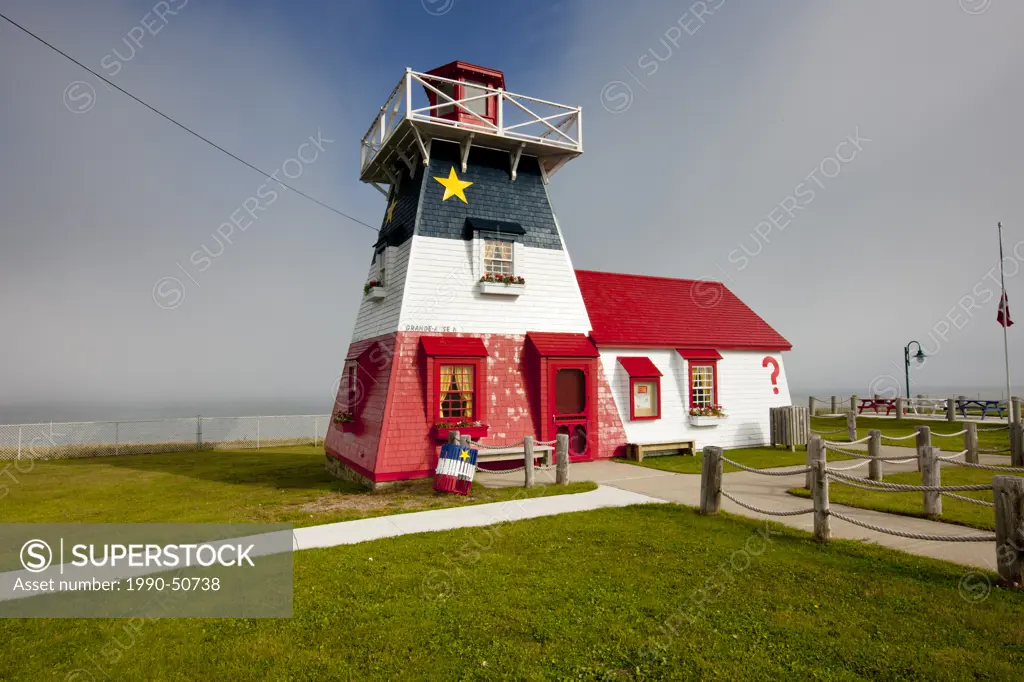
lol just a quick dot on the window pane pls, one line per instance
(497, 257)
(703, 385)
(477, 106)
(570, 391)
(457, 389)
(448, 89)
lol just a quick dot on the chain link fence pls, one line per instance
(66, 440)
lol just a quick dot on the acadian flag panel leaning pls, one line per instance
(455, 469)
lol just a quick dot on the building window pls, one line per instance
(447, 108)
(479, 106)
(380, 262)
(703, 385)
(498, 257)
(646, 398)
(457, 394)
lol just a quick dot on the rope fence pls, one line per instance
(769, 512)
(913, 536)
(767, 472)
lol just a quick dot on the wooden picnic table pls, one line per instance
(963, 403)
(874, 403)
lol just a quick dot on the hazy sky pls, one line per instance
(840, 166)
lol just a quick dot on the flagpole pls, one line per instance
(1006, 316)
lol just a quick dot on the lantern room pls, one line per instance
(471, 87)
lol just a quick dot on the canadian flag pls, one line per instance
(1003, 316)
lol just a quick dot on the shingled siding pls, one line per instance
(744, 390)
(381, 317)
(442, 293)
(493, 196)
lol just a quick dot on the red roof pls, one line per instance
(699, 354)
(454, 346)
(639, 367)
(552, 345)
(658, 312)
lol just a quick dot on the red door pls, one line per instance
(570, 405)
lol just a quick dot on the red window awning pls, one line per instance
(554, 345)
(639, 367)
(454, 346)
(699, 354)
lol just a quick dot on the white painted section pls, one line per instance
(441, 293)
(381, 317)
(744, 390)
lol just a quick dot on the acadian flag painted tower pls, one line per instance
(470, 300)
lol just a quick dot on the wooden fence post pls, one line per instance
(931, 476)
(1008, 492)
(851, 426)
(875, 450)
(1016, 445)
(924, 440)
(1015, 406)
(528, 460)
(900, 408)
(853, 403)
(711, 480)
(950, 410)
(453, 437)
(773, 417)
(971, 443)
(835, 405)
(810, 405)
(814, 443)
(465, 442)
(819, 491)
(562, 459)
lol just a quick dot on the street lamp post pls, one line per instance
(919, 356)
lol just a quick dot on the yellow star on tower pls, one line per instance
(453, 187)
(465, 454)
(391, 210)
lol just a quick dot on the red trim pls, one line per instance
(713, 364)
(699, 354)
(633, 380)
(587, 417)
(479, 366)
(549, 344)
(639, 367)
(454, 346)
(461, 71)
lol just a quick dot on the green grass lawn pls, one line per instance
(275, 485)
(642, 593)
(987, 440)
(912, 504)
(757, 458)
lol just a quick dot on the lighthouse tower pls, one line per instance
(471, 316)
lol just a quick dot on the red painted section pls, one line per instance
(638, 310)
(396, 410)
(549, 344)
(639, 367)
(454, 346)
(610, 434)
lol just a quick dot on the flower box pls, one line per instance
(501, 289)
(376, 293)
(696, 420)
(474, 432)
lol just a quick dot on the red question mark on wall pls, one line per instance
(769, 360)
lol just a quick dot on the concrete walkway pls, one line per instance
(769, 492)
(351, 532)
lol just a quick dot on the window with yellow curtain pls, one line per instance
(456, 391)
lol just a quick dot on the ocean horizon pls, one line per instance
(108, 410)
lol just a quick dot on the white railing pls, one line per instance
(519, 118)
(66, 440)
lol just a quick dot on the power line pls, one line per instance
(181, 125)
